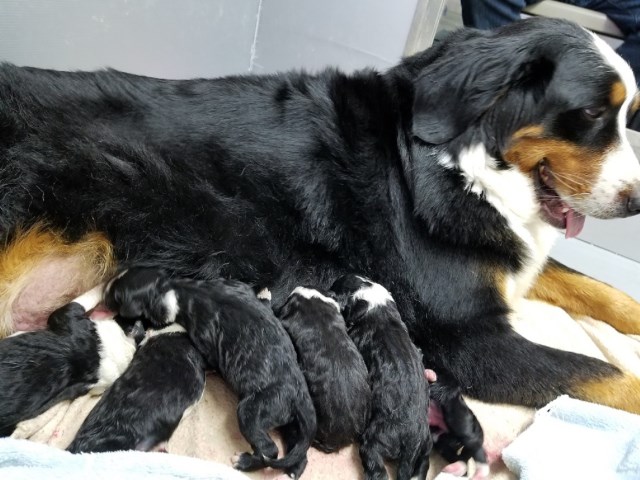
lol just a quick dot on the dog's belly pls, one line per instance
(40, 271)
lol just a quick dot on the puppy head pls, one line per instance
(544, 97)
(307, 299)
(142, 294)
(358, 295)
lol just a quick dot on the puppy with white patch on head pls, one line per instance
(142, 409)
(73, 356)
(240, 337)
(335, 372)
(398, 429)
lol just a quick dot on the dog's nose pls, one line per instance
(633, 204)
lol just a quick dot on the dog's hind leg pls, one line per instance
(372, 459)
(40, 271)
(502, 366)
(406, 465)
(257, 415)
(584, 296)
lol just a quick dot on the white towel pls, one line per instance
(572, 439)
(25, 460)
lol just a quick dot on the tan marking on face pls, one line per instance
(575, 169)
(618, 94)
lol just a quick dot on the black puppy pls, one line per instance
(398, 429)
(335, 372)
(71, 357)
(240, 337)
(456, 432)
(144, 406)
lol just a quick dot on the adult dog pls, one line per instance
(444, 179)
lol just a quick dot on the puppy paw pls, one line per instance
(246, 462)
(458, 468)
(482, 471)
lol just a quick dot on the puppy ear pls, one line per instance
(354, 310)
(471, 78)
(291, 304)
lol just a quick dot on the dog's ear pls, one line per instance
(469, 79)
(354, 310)
(290, 305)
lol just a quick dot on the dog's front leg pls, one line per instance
(582, 295)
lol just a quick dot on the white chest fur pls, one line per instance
(116, 352)
(512, 194)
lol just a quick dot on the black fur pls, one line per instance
(240, 337)
(335, 372)
(145, 404)
(462, 437)
(292, 179)
(398, 429)
(42, 368)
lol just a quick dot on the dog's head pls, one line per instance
(142, 294)
(542, 96)
(358, 295)
(306, 300)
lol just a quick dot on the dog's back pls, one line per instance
(333, 367)
(398, 429)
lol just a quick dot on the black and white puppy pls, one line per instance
(241, 338)
(73, 356)
(456, 432)
(398, 429)
(335, 372)
(142, 409)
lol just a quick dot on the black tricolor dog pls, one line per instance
(240, 337)
(335, 372)
(142, 409)
(398, 429)
(445, 178)
(71, 357)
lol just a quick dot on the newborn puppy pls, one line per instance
(240, 337)
(141, 410)
(456, 432)
(335, 372)
(398, 429)
(71, 357)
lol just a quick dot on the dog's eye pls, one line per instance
(593, 112)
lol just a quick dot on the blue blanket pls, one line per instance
(25, 460)
(572, 439)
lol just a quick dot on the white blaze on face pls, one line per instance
(620, 168)
(310, 293)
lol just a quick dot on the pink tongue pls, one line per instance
(574, 225)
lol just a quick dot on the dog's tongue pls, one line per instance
(574, 223)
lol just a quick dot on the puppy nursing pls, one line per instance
(398, 429)
(333, 367)
(143, 407)
(337, 367)
(240, 337)
(73, 356)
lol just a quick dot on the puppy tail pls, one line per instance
(303, 430)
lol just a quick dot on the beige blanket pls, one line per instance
(211, 430)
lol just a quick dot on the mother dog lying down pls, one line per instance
(444, 178)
